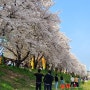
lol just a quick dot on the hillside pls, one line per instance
(12, 78)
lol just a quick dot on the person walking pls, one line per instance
(38, 79)
(72, 81)
(62, 83)
(76, 81)
(61, 80)
(48, 78)
(56, 81)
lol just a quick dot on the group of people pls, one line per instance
(47, 79)
(75, 81)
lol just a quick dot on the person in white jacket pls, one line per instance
(72, 81)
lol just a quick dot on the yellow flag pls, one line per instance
(32, 63)
(0, 60)
(43, 63)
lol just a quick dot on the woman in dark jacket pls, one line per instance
(56, 81)
(48, 78)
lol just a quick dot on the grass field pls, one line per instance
(12, 78)
(86, 85)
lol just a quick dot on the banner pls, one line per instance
(1, 50)
(43, 63)
(0, 60)
(32, 63)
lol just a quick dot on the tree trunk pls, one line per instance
(17, 63)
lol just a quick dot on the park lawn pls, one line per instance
(13, 78)
(86, 85)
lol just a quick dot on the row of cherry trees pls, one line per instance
(31, 29)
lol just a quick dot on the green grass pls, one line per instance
(5, 85)
(86, 85)
(13, 78)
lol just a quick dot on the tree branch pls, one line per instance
(25, 56)
(11, 51)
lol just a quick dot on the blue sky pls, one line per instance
(75, 23)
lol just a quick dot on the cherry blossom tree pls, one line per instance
(32, 29)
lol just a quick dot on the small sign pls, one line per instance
(1, 7)
(1, 50)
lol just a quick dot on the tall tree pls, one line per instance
(31, 29)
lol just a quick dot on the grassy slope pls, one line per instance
(12, 78)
